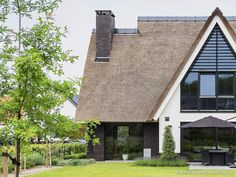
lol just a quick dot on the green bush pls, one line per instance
(161, 163)
(34, 159)
(74, 162)
(55, 161)
(168, 147)
(75, 156)
(60, 150)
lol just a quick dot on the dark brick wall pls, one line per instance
(151, 137)
(150, 140)
(97, 152)
(105, 25)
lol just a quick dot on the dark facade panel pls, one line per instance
(151, 137)
(97, 152)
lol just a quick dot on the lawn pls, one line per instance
(117, 169)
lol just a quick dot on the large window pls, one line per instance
(226, 84)
(120, 137)
(208, 92)
(225, 99)
(189, 99)
(209, 84)
(194, 140)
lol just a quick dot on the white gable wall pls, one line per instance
(172, 110)
(171, 104)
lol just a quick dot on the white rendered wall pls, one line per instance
(172, 110)
(68, 109)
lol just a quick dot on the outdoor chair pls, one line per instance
(205, 157)
(230, 158)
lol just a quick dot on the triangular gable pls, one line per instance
(216, 54)
(215, 20)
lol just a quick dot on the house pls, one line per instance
(167, 71)
(68, 108)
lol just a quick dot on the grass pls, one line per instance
(117, 169)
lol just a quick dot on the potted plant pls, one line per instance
(125, 151)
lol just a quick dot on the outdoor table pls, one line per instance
(218, 156)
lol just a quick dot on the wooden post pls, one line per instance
(5, 163)
(46, 153)
(25, 161)
(50, 156)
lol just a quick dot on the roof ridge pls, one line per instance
(178, 18)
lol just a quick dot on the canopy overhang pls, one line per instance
(209, 122)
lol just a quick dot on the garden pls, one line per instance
(121, 169)
(60, 154)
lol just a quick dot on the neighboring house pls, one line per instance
(69, 107)
(168, 71)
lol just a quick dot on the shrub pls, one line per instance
(55, 161)
(60, 150)
(168, 147)
(75, 156)
(34, 160)
(161, 163)
(74, 162)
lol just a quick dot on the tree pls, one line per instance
(168, 147)
(30, 56)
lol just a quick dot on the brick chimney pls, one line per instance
(105, 26)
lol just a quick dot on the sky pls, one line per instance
(79, 17)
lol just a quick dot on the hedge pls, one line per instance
(60, 150)
(74, 162)
(36, 155)
(161, 163)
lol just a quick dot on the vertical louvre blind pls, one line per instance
(216, 54)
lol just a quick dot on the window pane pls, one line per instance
(225, 103)
(207, 85)
(225, 84)
(208, 104)
(120, 137)
(136, 141)
(194, 140)
(189, 92)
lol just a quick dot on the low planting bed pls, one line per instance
(76, 162)
(161, 163)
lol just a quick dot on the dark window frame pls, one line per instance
(216, 91)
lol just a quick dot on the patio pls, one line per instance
(214, 156)
(199, 166)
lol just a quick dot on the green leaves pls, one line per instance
(17, 129)
(27, 7)
(46, 38)
(168, 146)
(28, 95)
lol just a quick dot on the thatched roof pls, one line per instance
(143, 67)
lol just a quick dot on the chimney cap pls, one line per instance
(104, 12)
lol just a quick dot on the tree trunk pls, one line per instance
(17, 174)
(17, 165)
